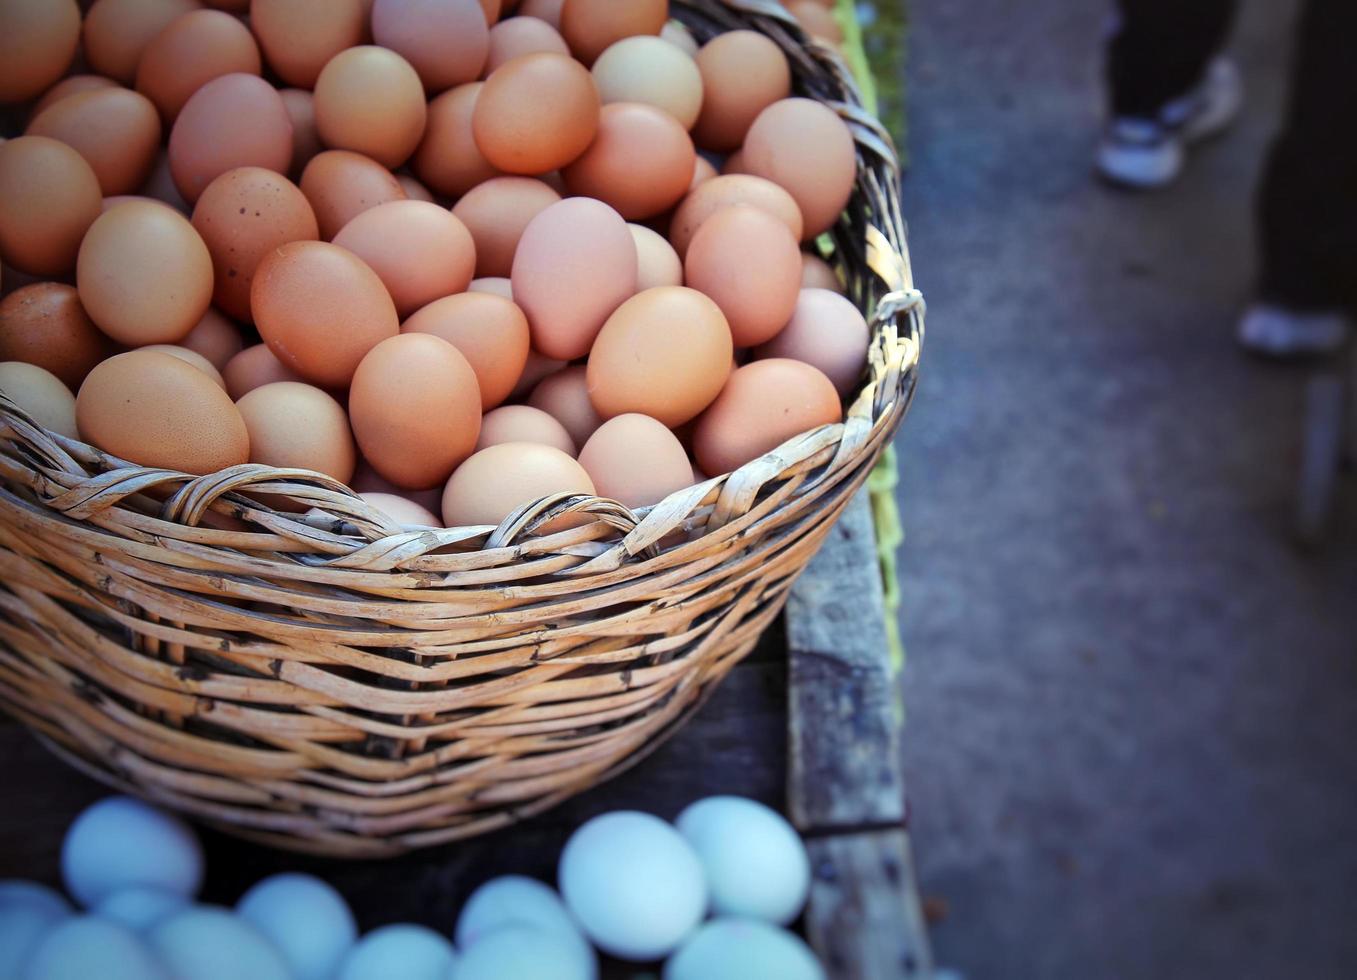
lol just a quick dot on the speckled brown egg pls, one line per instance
(536, 113)
(116, 130)
(816, 273)
(641, 162)
(447, 160)
(41, 394)
(216, 338)
(49, 196)
(301, 109)
(651, 70)
(232, 121)
(804, 147)
(402, 510)
(636, 461)
(828, 332)
(743, 72)
(496, 212)
(299, 36)
(190, 357)
(370, 100)
(564, 395)
(749, 263)
(70, 85)
(728, 190)
(496, 481)
(420, 251)
(189, 53)
(657, 264)
(518, 36)
(445, 40)
(341, 185)
(523, 423)
(252, 368)
(44, 324)
(591, 26)
(490, 331)
(116, 32)
(38, 39)
(298, 426)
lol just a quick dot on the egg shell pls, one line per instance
(762, 406)
(743, 72)
(590, 27)
(321, 309)
(116, 130)
(817, 20)
(447, 160)
(749, 264)
(208, 943)
(420, 251)
(190, 52)
(70, 85)
(654, 71)
(804, 147)
(367, 480)
(44, 324)
(491, 333)
(728, 190)
(675, 33)
(636, 461)
(216, 338)
(535, 113)
(119, 842)
(491, 9)
(305, 918)
(299, 36)
(496, 481)
(564, 395)
(704, 171)
(408, 951)
(402, 510)
(523, 423)
(445, 40)
(370, 100)
(88, 946)
(633, 884)
(252, 368)
(735, 165)
(116, 32)
(301, 110)
(416, 409)
(160, 185)
(657, 264)
(737, 949)
(140, 907)
(518, 36)
(298, 426)
(816, 273)
(156, 410)
(49, 196)
(191, 357)
(341, 185)
(523, 952)
(497, 211)
(494, 285)
(242, 216)
(38, 40)
(28, 912)
(575, 264)
(516, 900)
(547, 10)
(233, 121)
(641, 161)
(828, 332)
(41, 394)
(414, 190)
(537, 368)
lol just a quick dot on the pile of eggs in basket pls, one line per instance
(456, 254)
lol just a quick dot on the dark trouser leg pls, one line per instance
(1308, 201)
(1161, 49)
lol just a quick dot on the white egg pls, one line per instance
(139, 908)
(407, 951)
(633, 883)
(522, 953)
(743, 949)
(755, 862)
(87, 947)
(305, 918)
(28, 911)
(209, 943)
(119, 842)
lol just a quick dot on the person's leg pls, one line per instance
(1161, 50)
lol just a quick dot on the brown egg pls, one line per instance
(44, 324)
(242, 216)
(536, 368)
(70, 85)
(817, 20)
(518, 36)
(216, 338)
(116, 130)
(414, 190)
(402, 510)
(341, 185)
(190, 357)
(523, 423)
(232, 121)
(49, 196)
(38, 39)
(420, 251)
(816, 273)
(367, 480)
(665, 353)
(416, 409)
(320, 309)
(725, 191)
(445, 40)
(41, 394)
(804, 147)
(116, 32)
(160, 185)
(827, 332)
(743, 72)
(650, 70)
(591, 26)
(636, 461)
(189, 53)
(298, 426)
(301, 110)
(155, 410)
(547, 10)
(370, 100)
(565, 397)
(680, 37)
(497, 211)
(575, 264)
(734, 164)
(657, 264)
(144, 274)
(491, 10)
(491, 332)
(300, 36)
(494, 285)
(749, 263)
(641, 162)
(536, 113)
(703, 172)
(253, 368)
(112, 202)
(231, 6)
(448, 160)
(498, 480)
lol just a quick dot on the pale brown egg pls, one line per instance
(341, 185)
(402, 510)
(155, 410)
(657, 264)
(536, 368)
(370, 100)
(414, 190)
(535, 113)
(636, 461)
(70, 85)
(547, 10)
(321, 309)
(518, 36)
(591, 26)
(448, 161)
(445, 40)
(491, 332)
(116, 32)
(494, 285)
(41, 394)
(703, 171)
(112, 202)
(189, 53)
(651, 70)
(817, 20)
(298, 426)
(743, 72)
(416, 409)
(726, 191)
(301, 110)
(523, 423)
(816, 273)
(144, 274)
(190, 357)
(253, 368)
(749, 263)
(420, 251)
(575, 264)
(564, 396)
(496, 481)
(804, 147)
(116, 130)
(367, 480)
(827, 332)
(640, 162)
(44, 324)
(232, 121)
(242, 216)
(38, 39)
(216, 338)
(678, 35)
(299, 36)
(497, 211)
(49, 196)
(665, 353)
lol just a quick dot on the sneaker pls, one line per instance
(1276, 331)
(1149, 153)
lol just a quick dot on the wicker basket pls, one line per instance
(320, 679)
